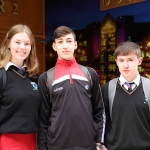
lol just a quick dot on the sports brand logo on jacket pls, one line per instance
(58, 89)
(86, 87)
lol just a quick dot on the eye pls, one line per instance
(59, 41)
(69, 41)
(27, 44)
(120, 60)
(130, 59)
(17, 42)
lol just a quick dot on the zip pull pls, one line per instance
(70, 75)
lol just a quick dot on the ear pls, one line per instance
(54, 46)
(8, 46)
(140, 60)
(76, 45)
(116, 62)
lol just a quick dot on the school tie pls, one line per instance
(22, 71)
(129, 86)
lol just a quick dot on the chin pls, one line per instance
(21, 59)
(67, 58)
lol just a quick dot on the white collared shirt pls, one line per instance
(136, 81)
(10, 64)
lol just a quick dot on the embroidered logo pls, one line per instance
(58, 89)
(34, 85)
(86, 87)
(146, 101)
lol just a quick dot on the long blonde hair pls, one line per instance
(5, 55)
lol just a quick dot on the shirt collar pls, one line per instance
(12, 64)
(136, 80)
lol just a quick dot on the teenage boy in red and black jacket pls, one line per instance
(74, 118)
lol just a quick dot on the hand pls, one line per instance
(104, 148)
(98, 148)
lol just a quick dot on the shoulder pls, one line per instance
(43, 76)
(92, 71)
(2, 70)
(145, 79)
(112, 82)
(105, 86)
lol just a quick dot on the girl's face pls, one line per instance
(20, 47)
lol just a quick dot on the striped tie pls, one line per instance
(22, 71)
(129, 86)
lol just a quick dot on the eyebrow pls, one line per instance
(62, 38)
(126, 58)
(21, 40)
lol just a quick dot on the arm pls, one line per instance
(98, 107)
(44, 113)
(106, 104)
(105, 98)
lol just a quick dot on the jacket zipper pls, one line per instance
(71, 81)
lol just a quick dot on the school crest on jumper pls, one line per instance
(34, 85)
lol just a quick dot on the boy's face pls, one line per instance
(128, 66)
(65, 47)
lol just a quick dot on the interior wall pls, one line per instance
(29, 12)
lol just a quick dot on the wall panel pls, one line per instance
(29, 12)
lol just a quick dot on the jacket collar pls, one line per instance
(66, 62)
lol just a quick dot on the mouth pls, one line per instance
(65, 52)
(21, 54)
(126, 71)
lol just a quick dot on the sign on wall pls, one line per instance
(8, 7)
(108, 4)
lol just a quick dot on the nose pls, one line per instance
(125, 64)
(64, 44)
(22, 46)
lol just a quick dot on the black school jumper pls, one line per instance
(20, 104)
(130, 126)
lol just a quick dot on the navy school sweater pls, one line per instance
(20, 104)
(130, 125)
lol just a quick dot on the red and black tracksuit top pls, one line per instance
(75, 118)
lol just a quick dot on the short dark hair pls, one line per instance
(126, 48)
(62, 31)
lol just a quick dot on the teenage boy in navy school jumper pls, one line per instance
(74, 120)
(129, 119)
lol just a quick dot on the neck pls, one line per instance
(130, 79)
(18, 63)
